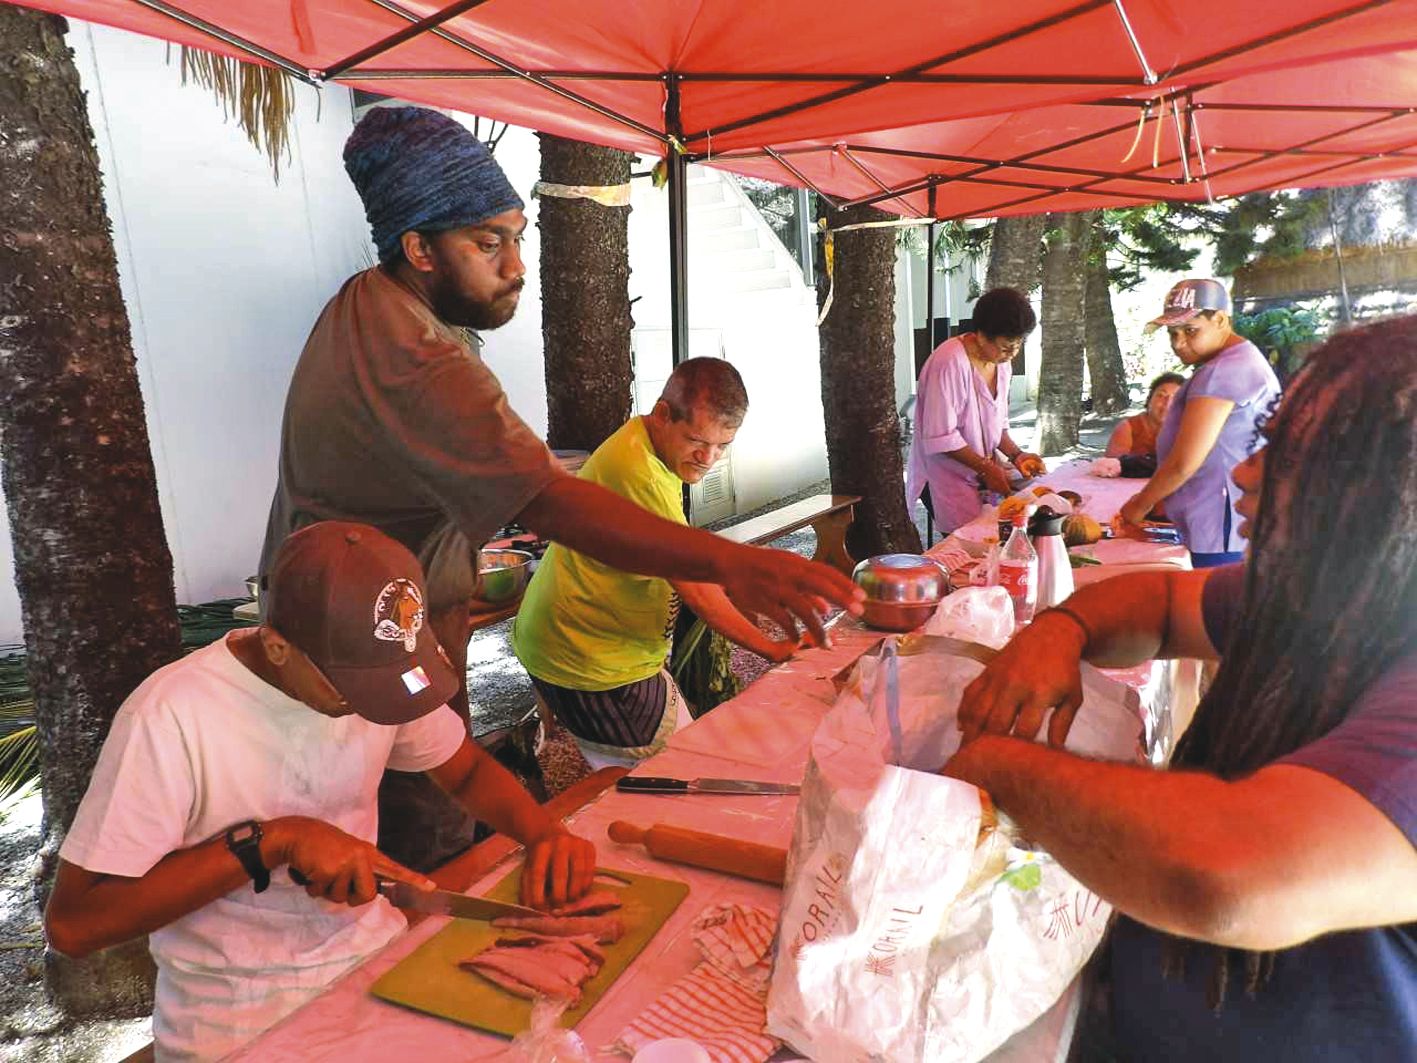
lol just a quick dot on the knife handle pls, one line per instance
(651, 784)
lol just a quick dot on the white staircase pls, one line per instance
(747, 303)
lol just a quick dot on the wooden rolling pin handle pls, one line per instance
(763, 863)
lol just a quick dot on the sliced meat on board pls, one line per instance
(606, 929)
(596, 903)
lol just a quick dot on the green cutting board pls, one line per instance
(429, 979)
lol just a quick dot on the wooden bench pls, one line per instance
(829, 516)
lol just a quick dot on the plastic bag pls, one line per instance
(544, 1041)
(915, 925)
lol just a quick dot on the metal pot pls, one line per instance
(902, 590)
(501, 575)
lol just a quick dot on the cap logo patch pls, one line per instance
(416, 680)
(398, 613)
(1185, 299)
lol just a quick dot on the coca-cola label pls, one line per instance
(1015, 578)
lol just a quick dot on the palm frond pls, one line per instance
(19, 766)
(261, 97)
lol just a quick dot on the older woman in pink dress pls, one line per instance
(962, 414)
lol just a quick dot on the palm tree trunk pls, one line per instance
(1060, 371)
(1015, 251)
(858, 386)
(585, 302)
(91, 559)
(1104, 353)
(1015, 255)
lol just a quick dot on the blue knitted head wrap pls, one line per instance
(418, 169)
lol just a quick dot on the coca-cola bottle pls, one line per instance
(1018, 572)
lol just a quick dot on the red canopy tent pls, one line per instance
(1002, 108)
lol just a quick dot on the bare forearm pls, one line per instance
(970, 458)
(597, 522)
(115, 909)
(1132, 835)
(492, 794)
(1167, 479)
(712, 606)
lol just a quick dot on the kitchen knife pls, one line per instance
(446, 902)
(652, 784)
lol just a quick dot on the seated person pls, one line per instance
(1136, 436)
(263, 751)
(595, 638)
(1267, 883)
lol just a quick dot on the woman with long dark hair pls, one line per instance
(1268, 881)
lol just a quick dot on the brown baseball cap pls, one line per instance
(1188, 298)
(352, 600)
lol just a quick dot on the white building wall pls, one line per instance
(224, 272)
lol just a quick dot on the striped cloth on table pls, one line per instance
(722, 1003)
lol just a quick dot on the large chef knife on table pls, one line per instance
(446, 902)
(653, 784)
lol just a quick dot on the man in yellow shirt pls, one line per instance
(595, 638)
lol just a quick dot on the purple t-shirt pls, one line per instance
(1203, 507)
(1345, 996)
(953, 409)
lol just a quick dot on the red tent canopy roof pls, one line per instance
(1033, 91)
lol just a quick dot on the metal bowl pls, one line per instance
(501, 575)
(902, 590)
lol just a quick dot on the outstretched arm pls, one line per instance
(1262, 863)
(1119, 622)
(779, 585)
(712, 606)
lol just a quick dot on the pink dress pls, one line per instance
(954, 408)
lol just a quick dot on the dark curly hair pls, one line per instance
(1331, 586)
(1004, 312)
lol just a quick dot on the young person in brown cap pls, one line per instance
(255, 762)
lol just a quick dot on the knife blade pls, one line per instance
(446, 902)
(654, 784)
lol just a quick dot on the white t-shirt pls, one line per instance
(204, 744)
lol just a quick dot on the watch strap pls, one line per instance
(244, 841)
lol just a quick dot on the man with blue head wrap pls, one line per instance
(393, 420)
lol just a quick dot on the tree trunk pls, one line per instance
(585, 302)
(1060, 371)
(91, 559)
(1104, 353)
(1015, 250)
(858, 386)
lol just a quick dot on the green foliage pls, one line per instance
(1143, 240)
(701, 666)
(1278, 328)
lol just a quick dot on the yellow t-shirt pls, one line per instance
(585, 625)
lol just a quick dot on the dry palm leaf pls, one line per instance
(261, 97)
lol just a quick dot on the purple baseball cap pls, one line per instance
(1188, 298)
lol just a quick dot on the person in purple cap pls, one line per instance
(1210, 426)
(231, 816)
(1266, 883)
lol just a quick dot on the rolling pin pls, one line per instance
(763, 863)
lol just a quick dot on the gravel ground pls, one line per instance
(33, 1031)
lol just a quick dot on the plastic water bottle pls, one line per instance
(1018, 572)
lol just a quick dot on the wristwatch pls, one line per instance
(244, 841)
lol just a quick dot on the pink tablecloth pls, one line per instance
(762, 734)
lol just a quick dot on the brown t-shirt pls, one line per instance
(393, 420)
